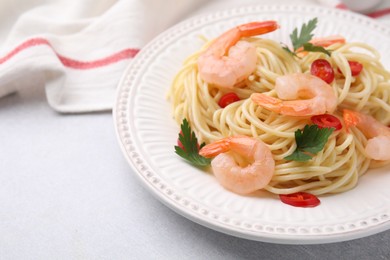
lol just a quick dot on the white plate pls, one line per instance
(147, 135)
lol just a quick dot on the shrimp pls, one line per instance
(241, 180)
(215, 67)
(300, 95)
(327, 41)
(378, 144)
(323, 42)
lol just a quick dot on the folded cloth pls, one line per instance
(78, 50)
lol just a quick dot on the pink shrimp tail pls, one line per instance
(267, 102)
(327, 41)
(213, 149)
(351, 118)
(257, 28)
(231, 37)
(323, 42)
(238, 143)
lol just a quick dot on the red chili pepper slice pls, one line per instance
(227, 99)
(356, 68)
(326, 121)
(321, 68)
(179, 143)
(300, 199)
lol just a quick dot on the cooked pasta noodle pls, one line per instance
(339, 165)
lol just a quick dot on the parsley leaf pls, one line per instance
(309, 142)
(301, 39)
(305, 35)
(314, 48)
(190, 150)
(289, 51)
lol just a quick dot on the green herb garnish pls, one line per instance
(301, 39)
(289, 51)
(305, 35)
(314, 48)
(309, 142)
(190, 148)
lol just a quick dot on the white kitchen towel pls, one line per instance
(78, 50)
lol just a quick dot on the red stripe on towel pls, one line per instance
(72, 63)
(379, 13)
(341, 6)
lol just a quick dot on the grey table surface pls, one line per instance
(67, 192)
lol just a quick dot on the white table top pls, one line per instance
(67, 192)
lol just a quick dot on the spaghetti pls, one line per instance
(339, 165)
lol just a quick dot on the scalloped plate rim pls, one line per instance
(218, 226)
